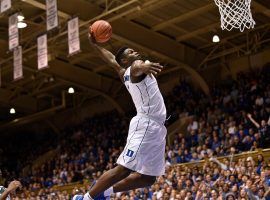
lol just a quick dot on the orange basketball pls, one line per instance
(101, 30)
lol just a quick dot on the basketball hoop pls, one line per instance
(235, 14)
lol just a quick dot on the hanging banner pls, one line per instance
(5, 5)
(42, 51)
(13, 32)
(73, 36)
(17, 63)
(52, 18)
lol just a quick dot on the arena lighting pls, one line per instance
(12, 111)
(216, 39)
(51, 79)
(21, 25)
(20, 17)
(71, 90)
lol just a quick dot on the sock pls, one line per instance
(108, 192)
(87, 197)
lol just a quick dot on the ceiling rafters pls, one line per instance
(86, 23)
(179, 28)
(148, 6)
(224, 40)
(98, 90)
(243, 48)
(199, 31)
(83, 22)
(154, 4)
(177, 41)
(183, 17)
(167, 58)
(61, 14)
(261, 8)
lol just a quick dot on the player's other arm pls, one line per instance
(107, 56)
(140, 68)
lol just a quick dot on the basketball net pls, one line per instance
(235, 14)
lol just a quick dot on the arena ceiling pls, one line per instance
(177, 33)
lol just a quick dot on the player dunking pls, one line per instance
(142, 160)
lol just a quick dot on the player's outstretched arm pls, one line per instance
(107, 56)
(140, 68)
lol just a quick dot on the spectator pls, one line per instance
(263, 129)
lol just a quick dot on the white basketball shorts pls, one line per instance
(145, 148)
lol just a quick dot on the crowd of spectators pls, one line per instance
(240, 179)
(243, 178)
(234, 119)
(84, 153)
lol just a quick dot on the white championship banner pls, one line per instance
(42, 51)
(52, 18)
(5, 5)
(13, 32)
(73, 36)
(17, 63)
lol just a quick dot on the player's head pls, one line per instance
(126, 56)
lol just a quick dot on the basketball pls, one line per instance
(101, 30)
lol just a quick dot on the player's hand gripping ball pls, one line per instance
(101, 31)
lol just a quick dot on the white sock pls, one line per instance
(87, 197)
(108, 192)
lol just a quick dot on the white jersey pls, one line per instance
(146, 141)
(146, 96)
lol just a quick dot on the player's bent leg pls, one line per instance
(108, 179)
(134, 181)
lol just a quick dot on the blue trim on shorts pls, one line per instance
(131, 138)
(140, 142)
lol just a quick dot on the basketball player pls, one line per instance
(142, 159)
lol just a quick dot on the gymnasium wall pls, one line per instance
(245, 63)
(229, 67)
